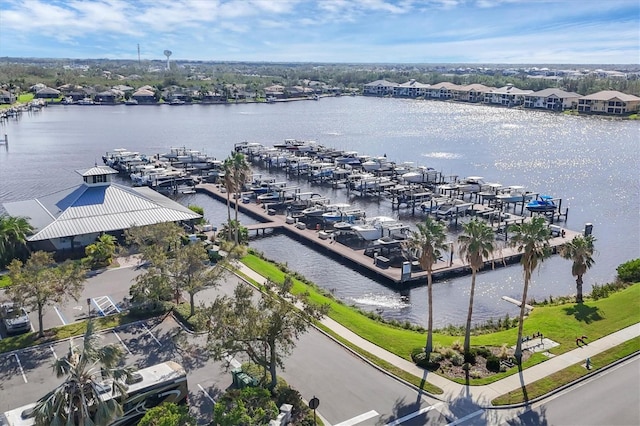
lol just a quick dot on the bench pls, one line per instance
(382, 261)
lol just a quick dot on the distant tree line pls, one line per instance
(255, 76)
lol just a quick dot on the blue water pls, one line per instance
(591, 163)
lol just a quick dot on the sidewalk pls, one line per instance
(482, 395)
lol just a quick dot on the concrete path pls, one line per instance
(482, 395)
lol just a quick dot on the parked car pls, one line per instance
(14, 318)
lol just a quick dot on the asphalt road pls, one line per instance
(609, 398)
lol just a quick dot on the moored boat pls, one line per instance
(544, 204)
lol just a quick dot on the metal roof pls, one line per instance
(95, 209)
(96, 171)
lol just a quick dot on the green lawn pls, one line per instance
(5, 281)
(562, 323)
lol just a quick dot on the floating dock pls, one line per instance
(374, 267)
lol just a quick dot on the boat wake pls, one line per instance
(382, 301)
(442, 155)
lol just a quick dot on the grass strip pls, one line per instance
(561, 323)
(22, 341)
(569, 374)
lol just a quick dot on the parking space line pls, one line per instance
(206, 394)
(113, 304)
(54, 352)
(414, 414)
(151, 334)
(359, 419)
(24, 377)
(121, 342)
(55, 308)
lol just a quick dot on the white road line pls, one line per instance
(206, 394)
(359, 419)
(151, 334)
(24, 377)
(121, 342)
(113, 304)
(465, 418)
(55, 308)
(54, 352)
(414, 414)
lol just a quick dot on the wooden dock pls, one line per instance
(447, 267)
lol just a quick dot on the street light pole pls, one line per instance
(88, 307)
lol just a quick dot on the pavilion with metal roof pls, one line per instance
(76, 216)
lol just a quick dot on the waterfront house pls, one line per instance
(508, 95)
(275, 91)
(552, 98)
(106, 97)
(379, 88)
(471, 92)
(73, 218)
(444, 90)
(410, 89)
(609, 102)
(144, 96)
(7, 97)
(47, 93)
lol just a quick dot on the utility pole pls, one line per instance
(138, 54)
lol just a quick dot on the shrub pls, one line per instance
(457, 345)
(287, 395)
(435, 357)
(504, 351)
(475, 374)
(483, 352)
(457, 359)
(493, 364)
(470, 357)
(629, 272)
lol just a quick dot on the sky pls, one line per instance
(333, 31)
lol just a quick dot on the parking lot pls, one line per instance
(26, 375)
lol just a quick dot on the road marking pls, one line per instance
(465, 418)
(24, 377)
(414, 414)
(206, 394)
(359, 419)
(55, 308)
(77, 308)
(54, 352)
(151, 334)
(121, 342)
(113, 304)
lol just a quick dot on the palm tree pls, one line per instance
(229, 185)
(13, 237)
(532, 240)
(241, 172)
(474, 246)
(580, 250)
(427, 245)
(79, 400)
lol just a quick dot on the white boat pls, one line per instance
(471, 184)
(489, 191)
(513, 194)
(451, 207)
(371, 183)
(378, 227)
(421, 175)
(131, 101)
(342, 213)
(296, 145)
(377, 164)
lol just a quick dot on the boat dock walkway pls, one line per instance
(448, 266)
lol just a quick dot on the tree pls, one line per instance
(532, 240)
(427, 244)
(154, 241)
(579, 250)
(235, 228)
(168, 414)
(474, 246)
(169, 273)
(248, 406)
(39, 283)
(13, 237)
(229, 185)
(264, 331)
(79, 400)
(241, 172)
(101, 252)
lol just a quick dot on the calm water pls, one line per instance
(591, 163)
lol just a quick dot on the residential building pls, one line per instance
(7, 97)
(379, 88)
(471, 92)
(552, 98)
(508, 95)
(609, 102)
(411, 89)
(444, 90)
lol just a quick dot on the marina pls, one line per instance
(370, 259)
